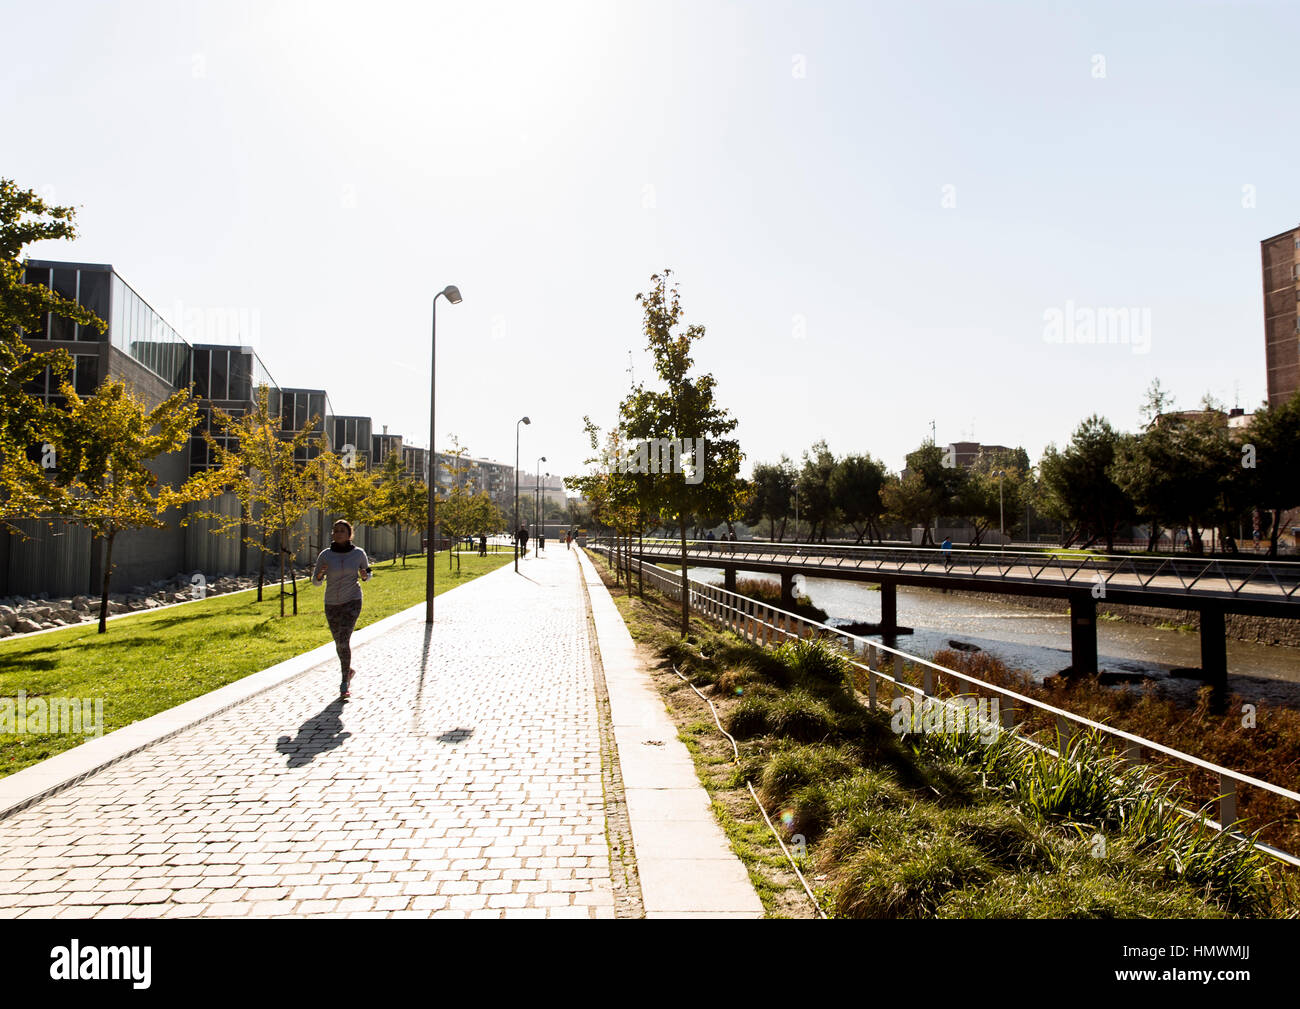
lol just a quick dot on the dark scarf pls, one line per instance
(341, 549)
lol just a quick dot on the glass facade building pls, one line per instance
(133, 327)
(354, 431)
(229, 379)
(298, 408)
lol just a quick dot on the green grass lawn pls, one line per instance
(155, 660)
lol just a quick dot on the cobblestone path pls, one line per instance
(462, 779)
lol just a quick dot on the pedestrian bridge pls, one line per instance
(1211, 586)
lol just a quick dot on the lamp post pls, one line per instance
(514, 532)
(1002, 524)
(452, 294)
(537, 489)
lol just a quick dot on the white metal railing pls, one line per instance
(763, 624)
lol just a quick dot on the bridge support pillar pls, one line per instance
(888, 608)
(1083, 634)
(787, 590)
(729, 579)
(1214, 655)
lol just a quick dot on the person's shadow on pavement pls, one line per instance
(319, 734)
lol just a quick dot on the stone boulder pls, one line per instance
(25, 626)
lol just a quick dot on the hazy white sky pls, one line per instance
(874, 208)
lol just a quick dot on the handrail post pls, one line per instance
(1227, 801)
(927, 681)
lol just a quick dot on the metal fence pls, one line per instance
(762, 624)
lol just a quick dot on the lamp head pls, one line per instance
(452, 293)
(524, 420)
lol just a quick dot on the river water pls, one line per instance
(1033, 640)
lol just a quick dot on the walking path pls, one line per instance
(464, 778)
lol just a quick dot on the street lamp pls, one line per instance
(537, 483)
(537, 493)
(514, 532)
(452, 293)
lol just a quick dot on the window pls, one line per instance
(200, 372)
(286, 412)
(220, 372)
(93, 296)
(85, 373)
(241, 377)
(65, 283)
(299, 411)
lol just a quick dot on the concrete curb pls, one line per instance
(685, 863)
(20, 790)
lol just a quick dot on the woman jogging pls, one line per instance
(343, 563)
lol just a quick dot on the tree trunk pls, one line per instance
(640, 572)
(108, 573)
(1272, 538)
(261, 566)
(282, 579)
(293, 580)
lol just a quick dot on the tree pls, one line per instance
(235, 471)
(275, 490)
(683, 414)
(1270, 461)
(351, 492)
(460, 512)
(986, 499)
(27, 423)
(815, 501)
(935, 491)
(392, 504)
(910, 501)
(1077, 486)
(855, 488)
(772, 496)
(105, 443)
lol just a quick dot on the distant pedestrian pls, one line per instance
(342, 564)
(523, 539)
(568, 539)
(482, 544)
(947, 553)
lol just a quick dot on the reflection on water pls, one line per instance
(1033, 640)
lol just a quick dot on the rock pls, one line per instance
(116, 607)
(66, 615)
(963, 646)
(151, 603)
(5, 630)
(7, 616)
(39, 612)
(79, 601)
(25, 626)
(136, 604)
(182, 597)
(81, 607)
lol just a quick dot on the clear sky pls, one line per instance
(873, 208)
